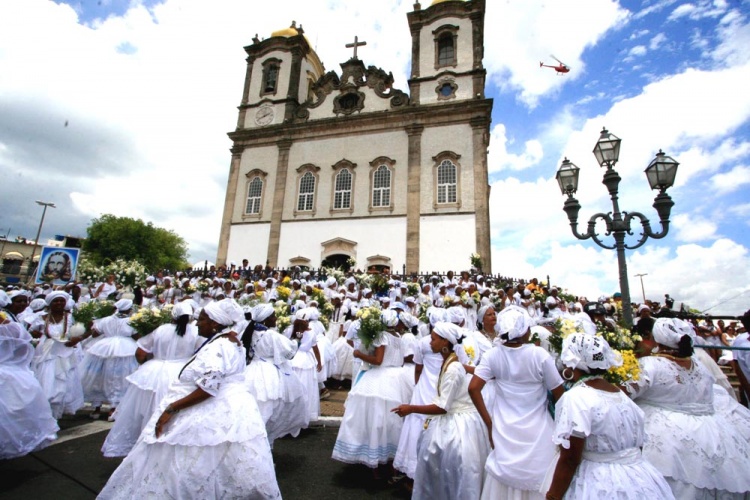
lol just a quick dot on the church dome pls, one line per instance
(435, 2)
(286, 32)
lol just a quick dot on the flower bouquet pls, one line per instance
(148, 319)
(413, 289)
(203, 287)
(476, 261)
(283, 293)
(87, 312)
(370, 326)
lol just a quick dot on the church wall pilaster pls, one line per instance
(413, 196)
(229, 200)
(246, 92)
(294, 79)
(282, 167)
(480, 140)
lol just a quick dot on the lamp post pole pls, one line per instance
(643, 290)
(660, 172)
(45, 204)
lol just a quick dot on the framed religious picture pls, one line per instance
(57, 266)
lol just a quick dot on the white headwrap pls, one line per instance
(56, 294)
(330, 281)
(436, 315)
(456, 315)
(483, 310)
(217, 313)
(667, 332)
(4, 299)
(233, 309)
(585, 352)
(448, 331)
(123, 305)
(513, 322)
(262, 312)
(181, 309)
(408, 320)
(389, 318)
(308, 314)
(37, 305)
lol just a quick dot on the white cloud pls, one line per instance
(657, 41)
(693, 229)
(500, 159)
(732, 180)
(523, 32)
(636, 51)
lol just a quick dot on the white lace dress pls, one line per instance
(277, 389)
(454, 447)
(305, 365)
(702, 450)
(214, 449)
(521, 426)
(613, 465)
(108, 362)
(149, 383)
(344, 358)
(424, 392)
(56, 366)
(26, 422)
(369, 431)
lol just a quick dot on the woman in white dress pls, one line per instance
(269, 376)
(109, 360)
(701, 448)
(206, 439)
(600, 432)
(55, 363)
(520, 427)
(344, 349)
(454, 445)
(426, 371)
(369, 431)
(163, 353)
(307, 362)
(26, 422)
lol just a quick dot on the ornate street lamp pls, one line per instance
(661, 173)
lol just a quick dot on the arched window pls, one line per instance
(254, 192)
(446, 182)
(306, 193)
(446, 50)
(381, 187)
(446, 46)
(342, 196)
(270, 82)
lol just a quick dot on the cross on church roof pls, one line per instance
(354, 45)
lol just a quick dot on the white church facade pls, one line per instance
(329, 166)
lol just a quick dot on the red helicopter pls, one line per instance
(561, 69)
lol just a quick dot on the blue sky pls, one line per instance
(150, 89)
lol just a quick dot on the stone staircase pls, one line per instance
(733, 379)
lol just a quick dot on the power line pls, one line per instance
(725, 301)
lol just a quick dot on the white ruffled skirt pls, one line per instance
(26, 422)
(281, 398)
(344, 357)
(214, 449)
(305, 367)
(105, 367)
(705, 452)
(56, 368)
(369, 431)
(451, 457)
(147, 386)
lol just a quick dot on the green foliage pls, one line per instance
(110, 238)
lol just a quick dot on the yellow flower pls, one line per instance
(469, 350)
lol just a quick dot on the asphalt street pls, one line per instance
(73, 468)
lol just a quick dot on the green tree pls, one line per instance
(111, 237)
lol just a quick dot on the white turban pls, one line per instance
(350, 281)
(123, 305)
(217, 313)
(262, 312)
(483, 310)
(436, 315)
(308, 314)
(667, 332)
(389, 318)
(685, 327)
(448, 331)
(513, 322)
(408, 320)
(330, 282)
(585, 352)
(4, 299)
(233, 309)
(181, 309)
(37, 305)
(456, 315)
(55, 295)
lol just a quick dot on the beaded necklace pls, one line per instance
(64, 321)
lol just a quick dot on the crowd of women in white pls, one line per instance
(458, 404)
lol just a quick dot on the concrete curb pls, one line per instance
(327, 422)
